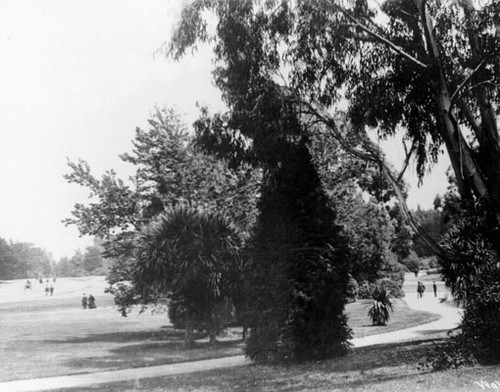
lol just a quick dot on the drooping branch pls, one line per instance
(391, 45)
(466, 80)
(406, 162)
(372, 153)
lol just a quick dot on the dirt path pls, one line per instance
(450, 318)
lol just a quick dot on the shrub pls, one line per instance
(393, 288)
(365, 290)
(481, 321)
(413, 263)
(352, 290)
(379, 312)
(451, 354)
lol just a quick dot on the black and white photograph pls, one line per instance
(249, 195)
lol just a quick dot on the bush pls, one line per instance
(481, 321)
(352, 290)
(393, 288)
(472, 270)
(413, 263)
(379, 312)
(365, 290)
(452, 354)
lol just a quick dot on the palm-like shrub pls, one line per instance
(381, 305)
(189, 256)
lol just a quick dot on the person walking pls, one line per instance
(51, 290)
(47, 290)
(84, 301)
(92, 304)
(420, 290)
(434, 287)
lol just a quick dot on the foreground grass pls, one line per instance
(56, 337)
(390, 367)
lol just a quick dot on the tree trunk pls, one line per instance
(189, 335)
(482, 178)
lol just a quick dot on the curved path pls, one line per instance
(450, 318)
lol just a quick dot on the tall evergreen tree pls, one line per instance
(298, 264)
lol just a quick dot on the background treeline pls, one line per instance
(19, 260)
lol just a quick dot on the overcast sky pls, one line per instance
(76, 78)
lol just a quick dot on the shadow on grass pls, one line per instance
(145, 348)
(156, 353)
(164, 334)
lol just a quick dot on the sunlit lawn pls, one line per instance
(57, 337)
(402, 317)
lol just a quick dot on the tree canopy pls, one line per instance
(428, 70)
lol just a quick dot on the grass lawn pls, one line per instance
(54, 336)
(402, 317)
(390, 367)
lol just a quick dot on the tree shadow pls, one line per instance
(166, 333)
(156, 353)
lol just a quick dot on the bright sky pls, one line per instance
(76, 78)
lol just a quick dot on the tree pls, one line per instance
(23, 260)
(425, 69)
(367, 210)
(298, 262)
(432, 222)
(8, 262)
(188, 254)
(170, 172)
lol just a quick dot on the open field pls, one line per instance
(47, 336)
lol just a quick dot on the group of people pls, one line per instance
(88, 302)
(49, 286)
(421, 289)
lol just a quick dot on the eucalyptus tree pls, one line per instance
(427, 70)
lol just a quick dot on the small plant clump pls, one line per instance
(381, 306)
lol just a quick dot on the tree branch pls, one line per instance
(381, 39)
(374, 155)
(406, 162)
(466, 80)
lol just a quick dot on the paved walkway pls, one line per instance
(450, 318)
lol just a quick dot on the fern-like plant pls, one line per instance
(381, 305)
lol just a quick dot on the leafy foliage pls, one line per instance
(381, 306)
(170, 172)
(299, 268)
(23, 260)
(191, 255)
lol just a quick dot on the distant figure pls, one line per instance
(91, 302)
(434, 287)
(84, 301)
(51, 289)
(40, 280)
(47, 289)
(54, 279)
(27, 286)
(420, 290)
